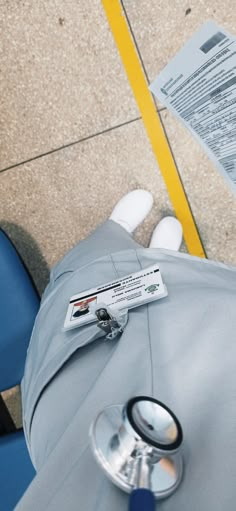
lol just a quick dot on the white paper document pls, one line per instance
(199, 87)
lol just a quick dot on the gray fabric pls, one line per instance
(181, 350)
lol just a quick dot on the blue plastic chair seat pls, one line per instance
(19, 304)
(16, 469)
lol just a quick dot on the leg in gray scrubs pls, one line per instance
(108, 238)
(181, 350)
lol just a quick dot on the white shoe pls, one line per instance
(167, 234)
(132, 209)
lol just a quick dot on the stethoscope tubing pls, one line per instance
(142, 499)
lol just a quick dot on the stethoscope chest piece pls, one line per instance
(138, 446)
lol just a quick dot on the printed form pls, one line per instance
(199, 87)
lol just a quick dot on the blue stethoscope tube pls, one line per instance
(142, 499)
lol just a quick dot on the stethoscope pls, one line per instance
(138, 447)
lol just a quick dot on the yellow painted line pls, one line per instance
(120, 30)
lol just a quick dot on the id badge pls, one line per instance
(125, 293)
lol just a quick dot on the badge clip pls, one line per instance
(112, 323)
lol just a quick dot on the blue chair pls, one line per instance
(19, 304)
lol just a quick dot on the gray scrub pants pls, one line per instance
(106, 239)
(180, 349)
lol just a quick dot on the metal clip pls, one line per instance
(111, 324)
